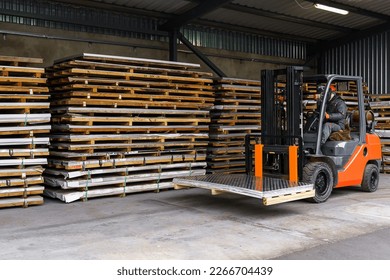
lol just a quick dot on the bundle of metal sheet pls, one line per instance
(24, 125)
(380, 104)
(125, 125)
(235, 114)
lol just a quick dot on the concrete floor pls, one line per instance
(192, 224)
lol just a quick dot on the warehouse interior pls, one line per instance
(105, 102)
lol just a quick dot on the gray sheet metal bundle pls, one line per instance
(24, 125)
(123, 125)
(235, 114)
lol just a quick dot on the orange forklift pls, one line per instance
(287, 161)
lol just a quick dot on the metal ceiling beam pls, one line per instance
(356, 36)
(255, 31)
(287, 18)
(112, 7)
(205, 7)
(91, 23)
(199, 54)
(351, 9)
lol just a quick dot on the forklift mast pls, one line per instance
(281, 108)
(281, 125)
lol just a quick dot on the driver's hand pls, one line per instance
(327, 116)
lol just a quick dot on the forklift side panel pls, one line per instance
(352, 174)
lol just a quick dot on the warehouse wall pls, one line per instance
(52, 44)
(369, 58)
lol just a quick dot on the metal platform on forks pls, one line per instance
(269, 190)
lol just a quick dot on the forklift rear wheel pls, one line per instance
(370, 178)
(320, 174)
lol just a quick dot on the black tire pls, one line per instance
(370, 178)
(320, 174)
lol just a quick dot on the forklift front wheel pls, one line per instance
(320, 174)
(370, 178)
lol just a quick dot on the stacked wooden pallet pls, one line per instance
(24, 122)
(125, 125)
(380, 104)
(235, 114)
(347, 90)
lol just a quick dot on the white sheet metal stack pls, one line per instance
(124, 125)
(24, 126)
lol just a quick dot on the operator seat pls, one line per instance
(341, 144)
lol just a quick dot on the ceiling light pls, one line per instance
(331, 9)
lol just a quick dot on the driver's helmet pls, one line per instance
(321, 92)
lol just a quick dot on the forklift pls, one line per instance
(287, 161)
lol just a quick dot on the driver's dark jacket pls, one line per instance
(337, 110)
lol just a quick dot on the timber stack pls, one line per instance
(24, 125)
(380, 105)
(348, 91)
(124, 125)
(236, 113)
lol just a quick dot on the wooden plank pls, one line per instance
(165, 96)
(61, 83)
(134, 85)
(127, 137)
(12, 182)
(130, 120)
(217, 192)
(22, 80)
(21, 172)
(237, 81)
(16, 69)
(21, 202)
(129, 75)
(142, 146)
(23, 97)
(288, 197)
(24, 192)
(19, 59)
(180, 187)
(29, 89)
(128, 111)
(129, 103)
(11, 152)
(133, 159)
(129, 128)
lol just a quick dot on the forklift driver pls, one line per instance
(335, 115)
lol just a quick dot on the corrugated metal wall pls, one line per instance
(369, 58)
(69, 17)
(202, 36)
